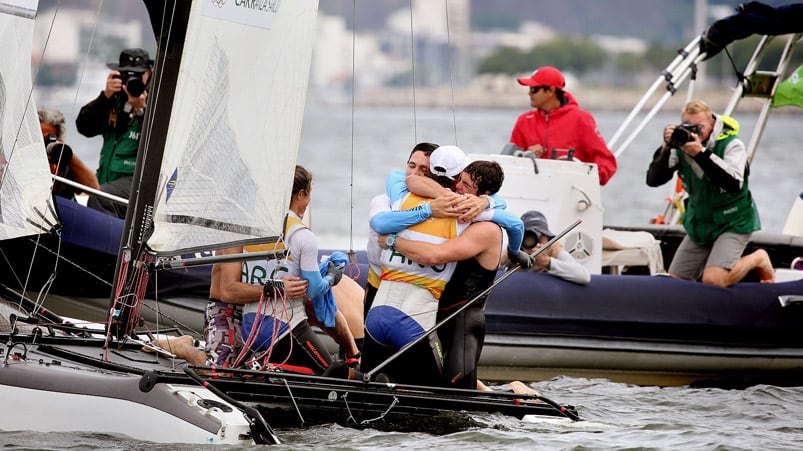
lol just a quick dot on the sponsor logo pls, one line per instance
(171, 184)
(406, 261)
(259, 5)
(254, 274)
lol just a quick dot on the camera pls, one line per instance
(133, 82)
(682, 134)
(57, 152)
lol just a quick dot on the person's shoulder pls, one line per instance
(527, 115)
(303, 239)
(483, 228)
(577, 113)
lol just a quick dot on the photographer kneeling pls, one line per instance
(117, 114)
(721, 214)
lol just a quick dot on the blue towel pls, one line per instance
(325, 306)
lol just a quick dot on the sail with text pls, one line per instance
(235, 125)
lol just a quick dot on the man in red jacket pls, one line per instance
(557, 127)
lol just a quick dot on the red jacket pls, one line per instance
(566, 127)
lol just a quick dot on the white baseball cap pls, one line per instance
(448, 161)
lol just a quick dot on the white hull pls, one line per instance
(54, 398)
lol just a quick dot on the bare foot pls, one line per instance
(171, 347)
(766, 272)
(521, 388)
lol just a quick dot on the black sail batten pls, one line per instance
(172, 19)
(215, 224)
(271, 240)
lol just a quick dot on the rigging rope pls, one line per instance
(412, 60)
(353, 107)
(451, 69)
(45, 289)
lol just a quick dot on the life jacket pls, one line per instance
(118, 156)
(397, 267)
(711, 210)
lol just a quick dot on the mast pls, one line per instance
(169, 20)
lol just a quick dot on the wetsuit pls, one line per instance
(463, 335)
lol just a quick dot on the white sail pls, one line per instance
(25, 202)
(235, 124)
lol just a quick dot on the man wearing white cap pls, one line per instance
(478, 251)
(557, 126)
(406, 303)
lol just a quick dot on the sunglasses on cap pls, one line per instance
(530, 240)
(535, 89)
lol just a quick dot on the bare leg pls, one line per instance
(758, 260)
(340, 333)
(349, 298)
(182, 347)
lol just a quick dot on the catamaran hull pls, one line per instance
(71, 384)
(51, 395)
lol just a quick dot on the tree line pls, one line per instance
(585, 59)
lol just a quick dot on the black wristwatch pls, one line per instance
(390, 241)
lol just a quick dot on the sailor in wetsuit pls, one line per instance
(479, 252)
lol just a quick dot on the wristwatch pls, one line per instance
(390, 241)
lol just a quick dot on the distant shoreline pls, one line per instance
(592, 99)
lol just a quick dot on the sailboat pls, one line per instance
(626, 328)
(215, 169)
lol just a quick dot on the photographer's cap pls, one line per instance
(135, 60)
(544, 76)
(448, 161)
(535, 221)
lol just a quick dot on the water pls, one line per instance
(349, 165)
(616, 416)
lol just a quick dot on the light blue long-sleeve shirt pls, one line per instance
(397, 220)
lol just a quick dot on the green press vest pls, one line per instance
(711, 210)
(118, 157)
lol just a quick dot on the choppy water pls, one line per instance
(349, 165)
(616, 416)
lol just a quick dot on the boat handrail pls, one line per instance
(89, 190)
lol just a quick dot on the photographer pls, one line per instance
(117, 114)
(721, 214)
(60, 156)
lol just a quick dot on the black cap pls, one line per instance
(536, 221)
(134, 60)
